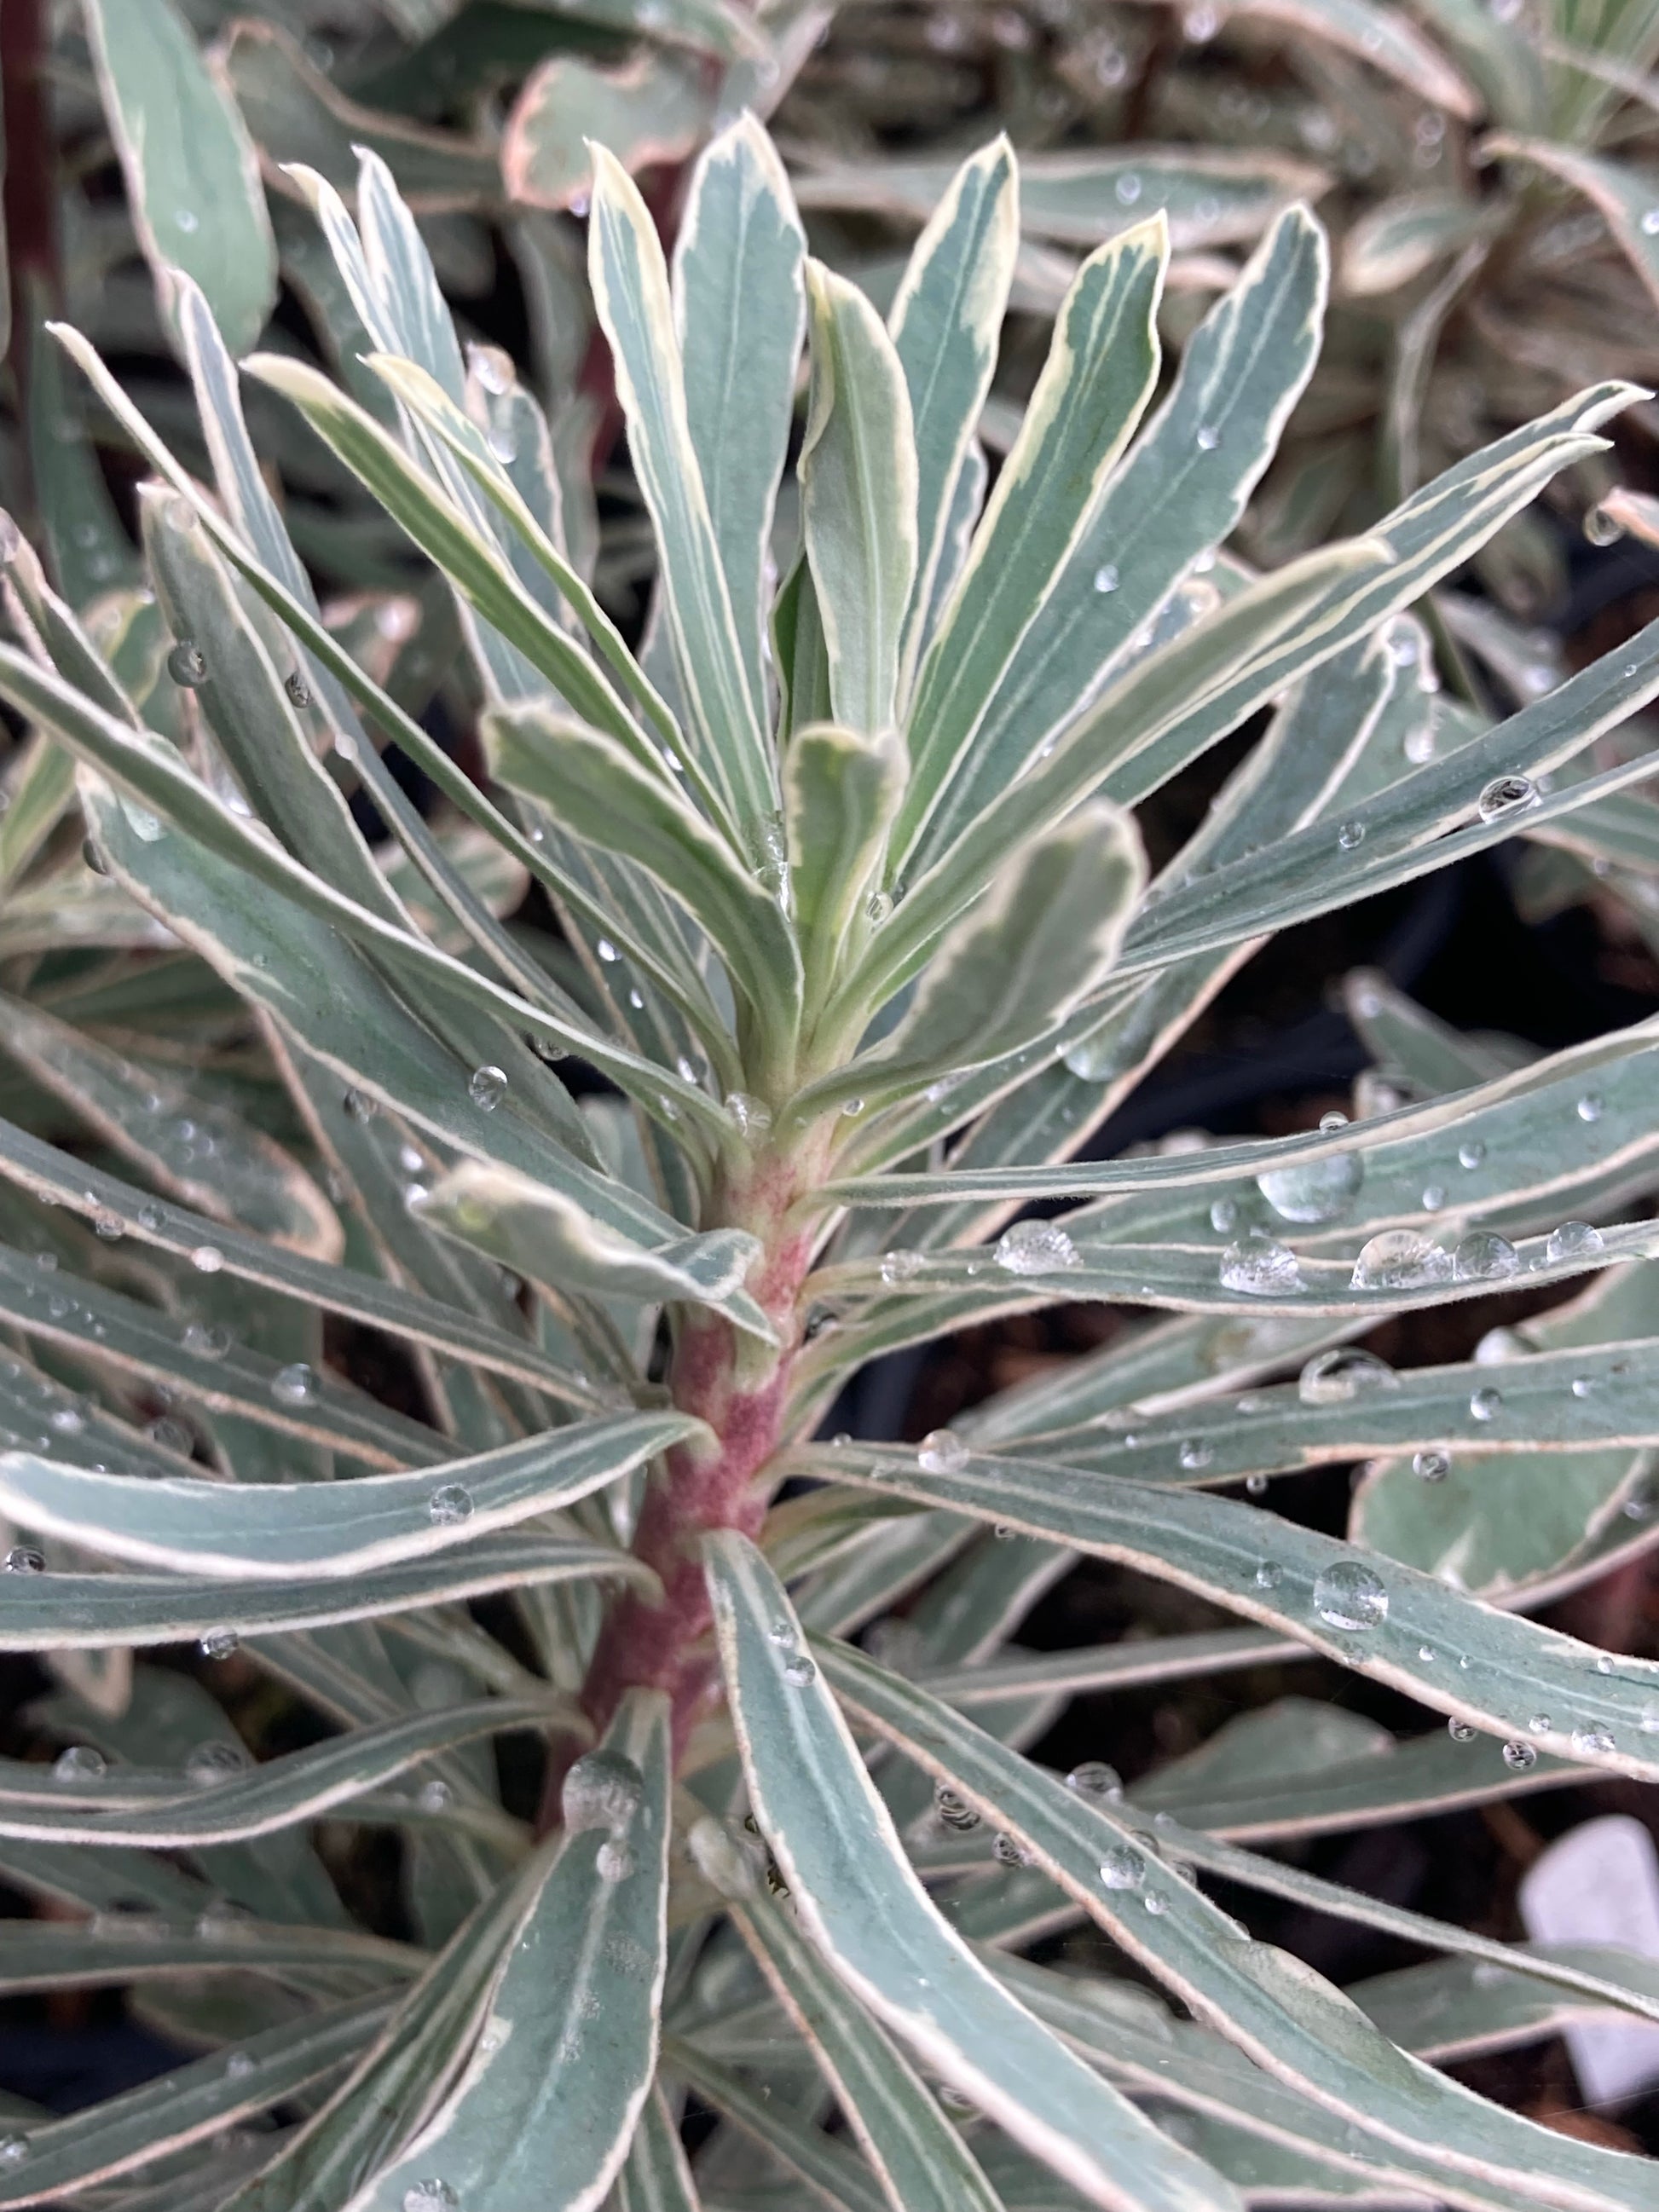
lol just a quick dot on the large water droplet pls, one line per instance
(1349, 1595)
(1336, 1378)
(298, 690)
(80, 1763)
(1519, 1755)
(1095, 1779)
(294, 1385)
(205, 1340)
(1260, 1266)
(1034, 1248)
(14, 2147)
(1573, 1240)
(953, 1811)
(1430, 1466)
(433, 2196)
(753, 1115)
(187, 664)
(1591, 1741)
(450, 1503)
(1317, 1190)
(1507, 794)
(603, 1789)
(1123, 1868)
(207, 1259)
(24, 1559)
(1485, 1405)
(219, 1644)
(211, 1764)
(1484, 1257)
(1591, 1107)
(486, 1087)
(1399, 1259)
(798, 1672)
(1461, 1731)
(942, 1451)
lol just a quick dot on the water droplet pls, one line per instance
(613, 1861)
(1519, 1755)
(1195, 1454)
(1434, 1197)
(753, 1115)
(603, 1789)
(211, 1764)
(877, 909)
(187, 664)
(1337, 1378)
(1128, 189)
(1601, 528)
(449, 1503)
(360, 1105)
(1209, 440)
(80, 1763)
(1007, 1852)
(434, 1796)
(433, 2196)
(1095, 1779)
(800, 1672)
(1507, 794)
(206, 1341)
(67, 1421)
(502, 443)
(1592, 1742)
(1573, 1240)
(14, 2147)
(298, 690)
(1256, 1484)
(486, 1087)
(219, 1644)
(1589, 1106)
(1461, 1731)
(1485, 1405)
(1268, 1574)
(1260, 1266)
(1348, 1595)
(1399, 1259)
(1540, 1724)
(942, 1451)
(1035, 1247)
(1650, 222)
(1350, 835)
(1106, 577)
(1484, 1257)
(1317, 1190)
(186, 219)
(24, 1559)
(207, 1259)
(1224, 1216)
(1430, 1466)
(294, 1385)
(605, 949)
(1123, 1868)
(852, 1106)
(898, 1267)
(1471, 1153)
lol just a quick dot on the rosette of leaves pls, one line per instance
(1493, 172)
(843, 941)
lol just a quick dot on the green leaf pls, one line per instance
(655, 2176)
(1013, 968)
(1621, 194)
(631, 294)
(1171, 502)
(1455, 2008)
(1307, 1585)
(858, 487)
(546, 2108)
(946, 322)
(192, 174)
(188, 2104)
(840, 790)
(738, 298)
(1383, 37)
(280, 1793)
(71, 1612)
(45, 1954)
(1278, 2011)
(256, 1532)
(653, 107)
(597, 792)
(1398, 240)
(922, 2162)
(831, 2172)
(860, 1905)
(1094, 384)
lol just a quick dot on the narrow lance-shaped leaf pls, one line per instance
(260, 1531)
(840, 790)
(862, 1907)
(545, 2109)
(739, 312)
(946, 322)
(192, 174)
(1491, 1668)
(858, 484)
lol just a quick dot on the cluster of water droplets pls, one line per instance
(605, 1790)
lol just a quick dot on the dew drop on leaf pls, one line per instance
(603, 1789)
(24, 1559)
(205, 1340)
(1268, 1574)
(1337, 1377)
(433, 2196)
(1519, 1755)
(1194, 1453)
(207, 1259)
(941, 1451)
(219, 1644)
(449, 1503)
(1589, 1106)
(1505, 795)
(1106, 577)
(800, 1672)
(1485, 1404)
(1430, 1466)
(1260, 1266)
(210, 1764)
(14, 2147)
(1573, 1240)
(486, 1087)
(1461, 1731)
(187, 664)
(1123, 1868)
(295, 1384)
(1034, 1248)
(1095, 1779)
(1399, 1259)
(1483, 1256)
(1317, 1190)
(80, 1763)
(1471, 1152)
(1349, 1595)
(1350, 835)
(1592, 1742)
(298, 690)
(898, 1267)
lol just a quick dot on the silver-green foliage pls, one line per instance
(856, 923)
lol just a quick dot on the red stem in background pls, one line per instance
(31, 186)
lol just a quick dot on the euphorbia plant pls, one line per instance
(853, 919)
